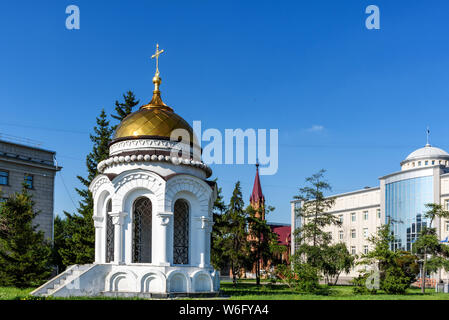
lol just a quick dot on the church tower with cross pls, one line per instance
(257, 199)
(152, 212)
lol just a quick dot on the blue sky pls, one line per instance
(353, 101)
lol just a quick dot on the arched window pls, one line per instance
(181, 233)
(109, 234)
(142, 221)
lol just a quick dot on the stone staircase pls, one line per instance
(67, 278)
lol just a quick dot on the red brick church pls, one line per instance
(257, 201)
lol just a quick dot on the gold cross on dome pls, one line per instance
(156, 55)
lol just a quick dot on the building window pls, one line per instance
(365, 215)
(352, 250)
(340, 234)
(378, 213)
(181, 219)
(447, 226)
(433, 162)
(4, 178)
(419, 163)
(365, 249)
(447, 204)
(142, 230)
(330, 235)
(353, 233)
(365, 233)
(340, 218)
(426, 163)
(110, 234)
(353, 217)
(28, 181)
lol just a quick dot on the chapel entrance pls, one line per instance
(142, 210)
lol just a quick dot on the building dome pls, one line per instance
(426, 156)
(427, 152)
(151, 121)
(144, 140)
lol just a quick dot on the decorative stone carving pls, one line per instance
(187, 183)
(98, 183)
(165, 217)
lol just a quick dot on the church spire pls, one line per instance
(156, 101)
(257, 196)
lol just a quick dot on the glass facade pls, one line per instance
(405, 205)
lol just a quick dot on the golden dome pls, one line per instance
(154, 119)
(149, 120)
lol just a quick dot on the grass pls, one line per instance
(247, 290)
(11, 293)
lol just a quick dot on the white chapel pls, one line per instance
(152, 212)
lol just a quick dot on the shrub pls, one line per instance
(395, 281)
(360, 284)
(308, 279)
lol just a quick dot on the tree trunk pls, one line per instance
(258, 263)
(424, 271)
(336, 278)
(234, 276)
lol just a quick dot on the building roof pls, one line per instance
(257, 194)
(427, 152)
(284, 233)
(154, 120)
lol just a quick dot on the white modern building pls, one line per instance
(400, 197)
(152, 214)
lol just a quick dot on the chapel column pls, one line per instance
(164, 223)
(204, 232)
(118, 220)
(98, 224)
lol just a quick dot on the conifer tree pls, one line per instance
(59, 238)
(263, 241)
(311, 237)
(394, 270)
(235, 235)
(217, 253)
(123, 109)
(79, 245)
(25, 255)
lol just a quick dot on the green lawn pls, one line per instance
(248, 290)
(14, 293)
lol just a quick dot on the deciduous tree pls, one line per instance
(428, 243)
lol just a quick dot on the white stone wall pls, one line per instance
(125, 188)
